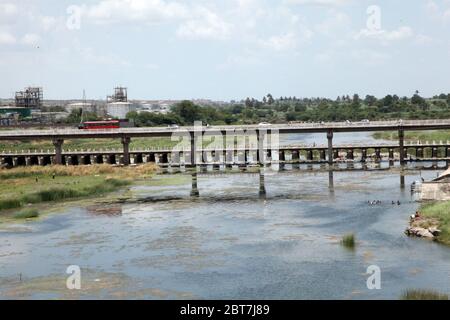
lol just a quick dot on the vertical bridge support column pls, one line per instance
(126, 150)
(193, 150)
(58, 150)
(261, 161)
(330, 147)
(401, 137)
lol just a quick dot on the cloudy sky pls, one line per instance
(225, 49)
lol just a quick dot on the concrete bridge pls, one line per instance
(261, 133)
(294, 154)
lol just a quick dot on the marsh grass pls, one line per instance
(32, 185)
(421, 294)
(27, 214)
(143, 170)
(348, 241)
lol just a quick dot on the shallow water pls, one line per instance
(229, 243)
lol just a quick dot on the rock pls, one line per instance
(434, 231)
(424, 233)
(419, 232)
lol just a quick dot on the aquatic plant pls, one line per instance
(348, 240)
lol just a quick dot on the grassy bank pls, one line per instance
(438, 212)
(414, 136)
(27, 186)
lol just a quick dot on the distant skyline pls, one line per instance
(224, 50)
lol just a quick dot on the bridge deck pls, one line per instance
(32, 134)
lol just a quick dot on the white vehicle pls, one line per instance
(173, 126)
(265, 124)
(365, 121)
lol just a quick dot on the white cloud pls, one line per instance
(335, 22)
(440, 13)
(370, 57)
(8, 9)
(149, 11)
(7, 38)
(30, 39)
(281, 42)
(205, 24)
(422, 39)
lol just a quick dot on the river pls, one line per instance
(229, 243)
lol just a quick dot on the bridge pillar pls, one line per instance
(401, 137)
(193, 153)
(281, 156)
(295, 156)
(262, 186)
(58, 150)
(350, 155)
(194, 190)
(309, 155)
(447, 152)
(434, 153)
(363, 155)
(28, 161)
(126, 150)
(261, 155)
(330, 146)
(377, 154)
(391, 154)
(335, 154)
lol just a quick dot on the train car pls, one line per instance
(98, 125)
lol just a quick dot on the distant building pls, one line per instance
(85, 106)
(31, 97)
(436, 190)
(154, 107)
(22, 112)
(117, 105)
(9, 119)
(119, 110)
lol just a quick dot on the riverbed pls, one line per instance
(155, 241)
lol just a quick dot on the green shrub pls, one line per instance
(27, 214)
(10, 204)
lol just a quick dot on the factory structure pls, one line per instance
(30, 98)
(28, 106)
(25, 102)
(117, 105)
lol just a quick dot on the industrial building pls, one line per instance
(85, 106)
(117, 105)
(31, 98)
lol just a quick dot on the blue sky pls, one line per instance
(223, 50)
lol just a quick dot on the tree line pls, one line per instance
(293, 109)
